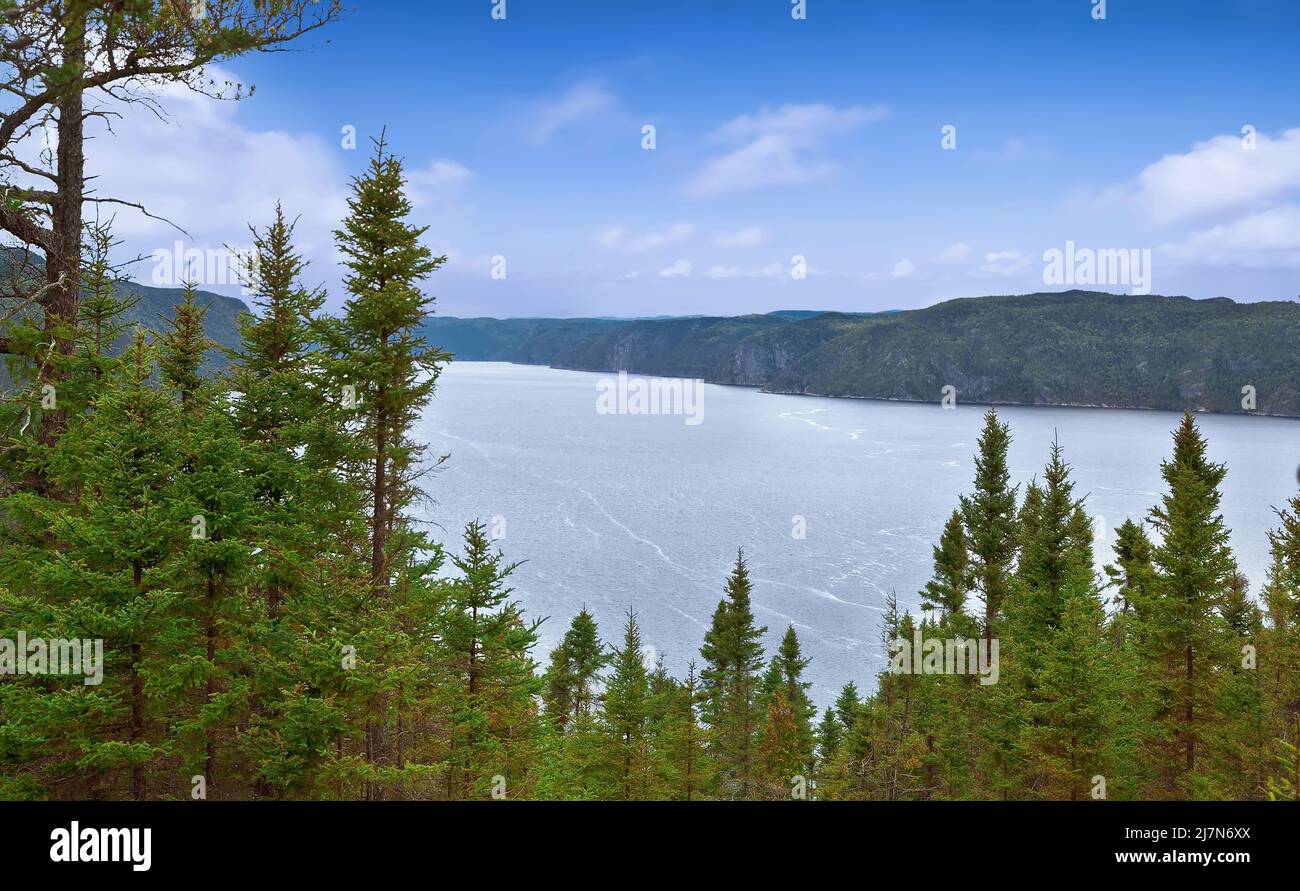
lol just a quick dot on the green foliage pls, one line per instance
(625, 715)
(989, 516)
(1186, 634)
(276, 623)
(574, 672)
(1071, 348)
(733, 655)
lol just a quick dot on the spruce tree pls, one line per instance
(1186, 634)
(306, 578)
(830, 733)
(213, 574)
(990, 518)
(790, 663)
(382, 353)
(185, 345)
(574, 672)
(1279, 655)
(121, 531)
(1132, 575)
(1055, 569)
(681, 741)
(1056, 554)
(386, 373)
(951, 583)
(103, 302)
(846, 705)
(1070, 718)
(733, 655)
(485, 647)
(625, 714)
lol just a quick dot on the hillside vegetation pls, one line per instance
(1070, 348)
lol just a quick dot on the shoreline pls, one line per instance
(1075, 405)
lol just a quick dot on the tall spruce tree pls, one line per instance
(990, 518)
(306, 579)
(382, 353)
(486, 649)
(625, 714)
(733, 656)
(1049, 666)
(1187, 636)
(389, 371)
(790, 663)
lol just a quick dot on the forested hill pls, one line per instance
(1068, 348)
(152, 307)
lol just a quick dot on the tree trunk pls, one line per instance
(210, 688)
(137, 698)
(63, 259)
(1191, 735)
(379, 493)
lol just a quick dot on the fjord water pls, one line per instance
(646, 511)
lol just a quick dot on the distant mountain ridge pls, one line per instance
(156, 306)
(1059, 348)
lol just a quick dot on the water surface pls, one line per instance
(646, 512)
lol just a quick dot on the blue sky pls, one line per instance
(776, 138)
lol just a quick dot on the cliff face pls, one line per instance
(1069, 349)
(1072, 348)
(753, 364)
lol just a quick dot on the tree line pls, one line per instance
(278, 624)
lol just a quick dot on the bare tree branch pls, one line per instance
(139, 207)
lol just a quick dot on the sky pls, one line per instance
(871, 155)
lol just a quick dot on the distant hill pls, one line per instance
(1070, 348)
(156, 306)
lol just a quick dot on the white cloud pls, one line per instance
(1217, 176)
(751, 236)
(776, 149)
(1012, 149)
(956, 253)
(440, 180)
(1004, 262)
(771, 270)
(767, 161)
(1265, 239)
(1231, 197)
(805, 124)
(212, 175)
(903, 268)
(679, 269)
(617, 238)
(583, 100)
